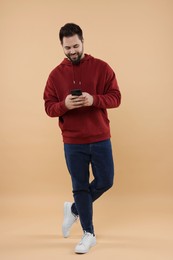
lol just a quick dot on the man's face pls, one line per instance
(73, 48)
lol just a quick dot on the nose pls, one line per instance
(72, 51)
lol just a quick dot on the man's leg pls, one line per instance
(102, 168)
(78, 159)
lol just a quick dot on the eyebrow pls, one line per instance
(68, 47)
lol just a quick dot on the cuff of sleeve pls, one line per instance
(63, 108)
(95, 100)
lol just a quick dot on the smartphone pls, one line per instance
(76, 92)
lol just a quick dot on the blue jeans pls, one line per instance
(79, 157)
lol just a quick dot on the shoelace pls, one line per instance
(85, 236)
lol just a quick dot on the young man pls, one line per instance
(78, 91)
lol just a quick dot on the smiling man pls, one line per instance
(79, 91)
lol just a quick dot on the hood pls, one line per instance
(67, 62)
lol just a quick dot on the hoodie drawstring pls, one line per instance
(80, 75)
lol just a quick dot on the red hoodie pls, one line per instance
(86, 124)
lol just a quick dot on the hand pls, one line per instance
(72, 102)
(88, 101)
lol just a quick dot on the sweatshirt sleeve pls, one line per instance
(53, 107)
(111, 96)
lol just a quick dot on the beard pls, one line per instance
(75, 58)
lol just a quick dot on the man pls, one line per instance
(78, 91)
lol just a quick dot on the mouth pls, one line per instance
(74, 56)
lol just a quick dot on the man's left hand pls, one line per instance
(88, 101)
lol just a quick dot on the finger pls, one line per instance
(78, 104)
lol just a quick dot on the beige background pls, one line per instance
(134, 219)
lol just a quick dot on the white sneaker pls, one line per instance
(88, 240)
(69, 219)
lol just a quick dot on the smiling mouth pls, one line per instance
(74, 56)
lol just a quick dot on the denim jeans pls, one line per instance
(79, 157)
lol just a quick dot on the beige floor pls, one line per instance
(127, 227)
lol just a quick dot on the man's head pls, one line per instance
(71, 38)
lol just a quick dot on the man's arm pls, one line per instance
(111, 97)
(53, 107)
(56, 108)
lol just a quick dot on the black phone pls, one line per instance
(76, 92)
